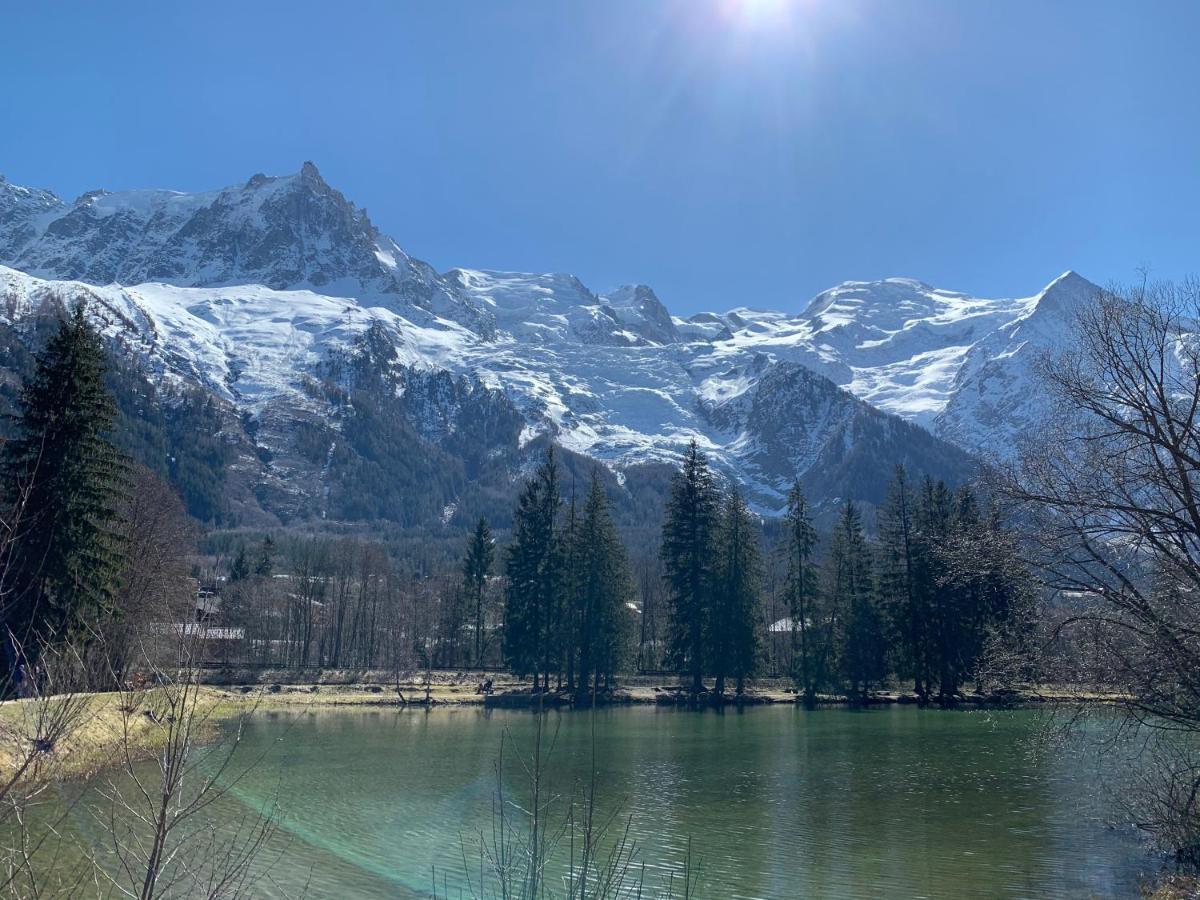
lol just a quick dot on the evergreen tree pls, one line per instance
(935, 521)
(573, 631)
(983, 562)
(733, 620)
(902, 590)
(800, 540)
(239, 569)
(63, 480)
(948, 581)
(477, 566)
(689, 532)
(980, 587)
(861, 646)
(969, 614)
(534, 567)
(266, 558)
(604, 587)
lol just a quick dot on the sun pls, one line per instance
(758, 14)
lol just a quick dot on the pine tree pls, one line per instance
(935, 521)
(534, 567)
(603, 590)
(977, 591)
(239, 569)
(733, 620)
(852, 593)
(573, 630)
(477, 566)
(63, 478)
(800, 539)
(265, 564)
(689, 532)
(998, 593)
(901, 590)
(969, 604)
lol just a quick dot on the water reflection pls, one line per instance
(777, 802)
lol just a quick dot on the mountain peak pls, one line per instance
(888, 304)
(1073, 280)
(309, 172)
(645, 312)
(630, 294)
(284, 232)
(1062, 296)
(90, 196)
(307, 177)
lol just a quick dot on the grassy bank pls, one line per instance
(99, 733)
(102, 732)
(351, 687)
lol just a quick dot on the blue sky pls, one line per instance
(732, 152)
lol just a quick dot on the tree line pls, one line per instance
(920, 602)
(568, 590)
(559, 604)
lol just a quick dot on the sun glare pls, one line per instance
(758, 14)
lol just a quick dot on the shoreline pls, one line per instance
(100, 740)
(336, 687)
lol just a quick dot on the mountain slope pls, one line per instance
(996, 397)
(794, 422)
(329, 403)
(260, 293)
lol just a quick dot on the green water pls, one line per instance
(777, 802)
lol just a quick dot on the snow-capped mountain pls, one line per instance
(288, 232)
(996, 399)
(255, 292)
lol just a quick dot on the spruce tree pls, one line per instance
(239, 569)
(970, 616)
(902, 591)
(534, 568)
(852, 593)
(574, 627)
(997, 592)
(935, 524)
(63, 480)
(603, 589)
(733, 619)
(978, 591)
(266, 558)
(689, 531)
(800, 540)
(477, 566)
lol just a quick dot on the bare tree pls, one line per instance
(163, 838)
(544, 845)
(156, 587)
(54, 706)
(34, 738)
(1112, 498)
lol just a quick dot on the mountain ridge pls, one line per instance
(250, 290)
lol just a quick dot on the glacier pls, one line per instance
(247, 290)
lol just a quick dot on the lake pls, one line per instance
(776, 802)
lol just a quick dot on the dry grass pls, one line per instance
(96, 737)
(1175, 887)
